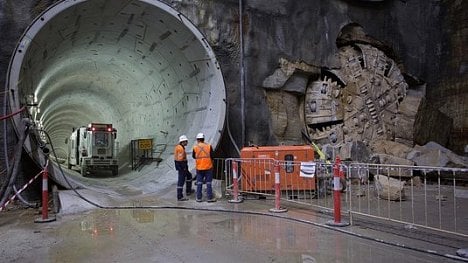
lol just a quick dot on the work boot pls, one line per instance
(198, 200)
(211, 200)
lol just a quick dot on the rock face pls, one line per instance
(363, 100)
(441, 129)
(410, 37)
(309, 33)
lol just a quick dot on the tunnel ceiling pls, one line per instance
(137, 64)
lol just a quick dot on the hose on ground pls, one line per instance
(24, 201)
(13, 172)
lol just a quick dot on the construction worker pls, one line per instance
(180, 161)
(203, 154)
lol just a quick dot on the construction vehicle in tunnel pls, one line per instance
(92, 148)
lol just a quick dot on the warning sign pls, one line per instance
(145, 144)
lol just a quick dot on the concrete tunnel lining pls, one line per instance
(139, 64)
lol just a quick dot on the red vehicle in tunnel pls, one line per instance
(93, 148)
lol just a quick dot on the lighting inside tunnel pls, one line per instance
(139, 65)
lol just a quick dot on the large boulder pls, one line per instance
(433, 154)
(393, 160)
(389, 188)
(390, 148)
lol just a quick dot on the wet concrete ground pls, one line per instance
(164, 230)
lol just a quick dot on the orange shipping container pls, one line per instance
(259, 175)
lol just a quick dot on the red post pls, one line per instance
(278, 208)
(45, 194)
(235, 184)
(337, 174)
(45, 197)
(337, 191)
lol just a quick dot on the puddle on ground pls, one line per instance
(163, 235)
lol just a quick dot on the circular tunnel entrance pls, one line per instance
(139, 65)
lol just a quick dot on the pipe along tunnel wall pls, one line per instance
(139, 65)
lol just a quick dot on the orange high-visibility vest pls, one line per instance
(202, 156)
(179, 153)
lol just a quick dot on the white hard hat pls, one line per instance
(200, 136)
(183, 138)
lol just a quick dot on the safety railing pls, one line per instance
(302, 182)
(429, 197)
(417, 196)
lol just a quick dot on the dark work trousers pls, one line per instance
(184, 177)
(207, 177)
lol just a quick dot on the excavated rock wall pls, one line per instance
(426, 40)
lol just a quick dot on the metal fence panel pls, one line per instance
(429, 197)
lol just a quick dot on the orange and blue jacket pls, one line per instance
(180, 157)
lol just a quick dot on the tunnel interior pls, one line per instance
(139, 65)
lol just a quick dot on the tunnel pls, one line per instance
(140, 65)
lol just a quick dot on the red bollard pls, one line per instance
(337, 174)
(278, 208)
(235, 184)
(45, 198)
